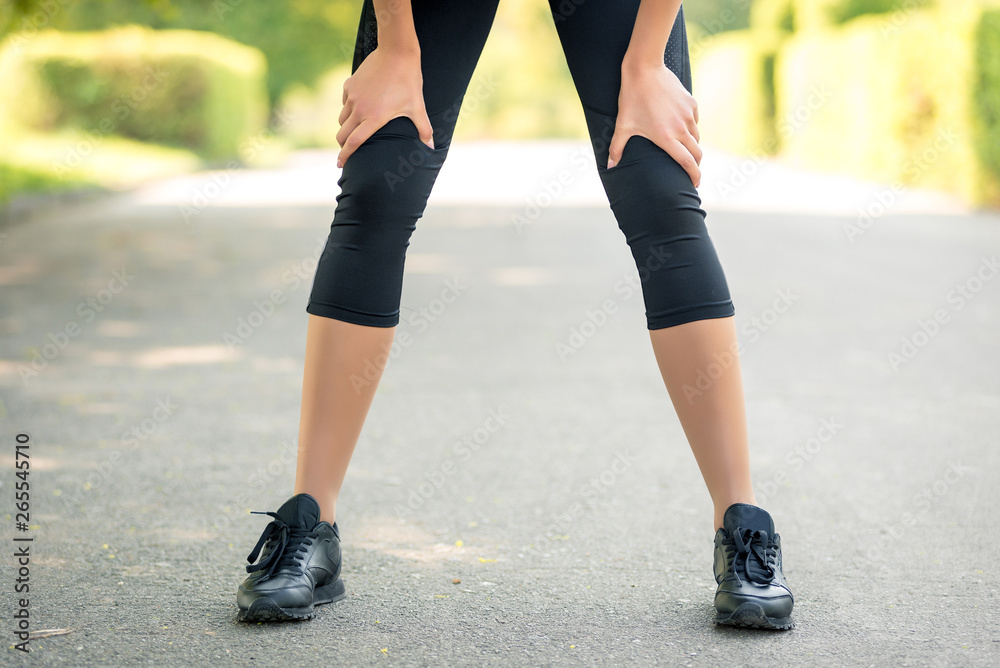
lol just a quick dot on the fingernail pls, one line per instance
(431, 143)
(611, 163)
(340, 165)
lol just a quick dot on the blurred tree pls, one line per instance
(301, 38)
(849, 9)
(714, 16)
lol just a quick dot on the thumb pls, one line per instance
(424, 129)
(618, 140)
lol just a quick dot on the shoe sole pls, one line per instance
(266, 610)
(752, 616)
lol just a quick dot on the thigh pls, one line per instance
(451, 35)
(595, 35)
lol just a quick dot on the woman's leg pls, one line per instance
(354, 305)
(688, 307)
(354, 308)
(344, 363)
(711, 413)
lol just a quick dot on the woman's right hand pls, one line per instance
(388, 84)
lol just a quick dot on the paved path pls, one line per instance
(580, 529)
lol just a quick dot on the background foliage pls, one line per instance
(757, 62)
(300, 38)
(906, 96)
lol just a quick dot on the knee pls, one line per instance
(652, 196)
(391, 173)
(648, 185)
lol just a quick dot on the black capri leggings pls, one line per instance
(386, 182)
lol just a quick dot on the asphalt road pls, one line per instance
(163, 405)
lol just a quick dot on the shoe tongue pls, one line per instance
(745, 516)
(301, 511)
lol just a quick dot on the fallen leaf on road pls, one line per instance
(48, 633)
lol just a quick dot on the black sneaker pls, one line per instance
(299, 566)
(752, 589)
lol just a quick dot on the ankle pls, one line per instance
(327, 503)
(328, 511)
(722, 507)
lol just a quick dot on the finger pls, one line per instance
(691, 144)
(424, 128)
(346, 111)
(359, 136)
(617, 146)
(693, 128)
(347, 82)
(679, 152)
(347, 126)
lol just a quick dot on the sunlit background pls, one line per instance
(108, 93)
(167, 181)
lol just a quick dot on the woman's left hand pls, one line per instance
(654, 104)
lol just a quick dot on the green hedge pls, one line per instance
(510, 98)
(733, 76)
(814, 14)
(773, 15)
(986, 105)
(178, 88)
(715, 16)
(301, 39)
(818, 14)
(23, 180)
(791, 15)
(913, 102)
